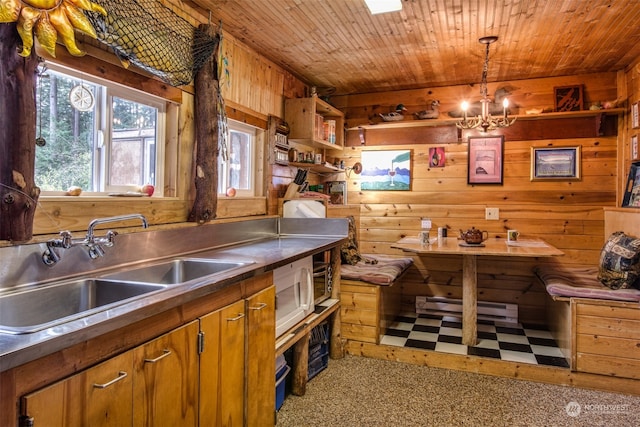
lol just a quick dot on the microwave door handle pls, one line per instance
(309, 286)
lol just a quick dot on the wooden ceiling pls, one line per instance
(339, 44)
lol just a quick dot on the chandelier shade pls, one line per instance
(485, 120)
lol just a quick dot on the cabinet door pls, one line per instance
(261, 358)
(99, 396)
(222, 367)
(165, 383)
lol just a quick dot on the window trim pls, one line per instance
(165, 159)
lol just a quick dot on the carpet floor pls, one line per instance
(359, 391)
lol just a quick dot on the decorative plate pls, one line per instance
(81, 98)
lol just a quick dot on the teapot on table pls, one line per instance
(473, 236)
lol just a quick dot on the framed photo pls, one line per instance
(635, 120)
(568, 98)
(632, 189)
(386, 170)
(634, 147)
(485, 160)
(560, 164)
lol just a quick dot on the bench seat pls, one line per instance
(371, 296)
(597, 328)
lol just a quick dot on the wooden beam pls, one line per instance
(207, 130)
(18, 193)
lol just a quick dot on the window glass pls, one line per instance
(65, 156)
(113, 143)
(236, 168)
(133, 143)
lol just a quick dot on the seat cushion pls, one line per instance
(620, 261)
(384, 271)
(581, 282)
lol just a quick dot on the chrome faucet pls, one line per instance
(50, 256)
(94, 244)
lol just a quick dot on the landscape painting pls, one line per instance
(387, 170)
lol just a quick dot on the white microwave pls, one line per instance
(294, 293)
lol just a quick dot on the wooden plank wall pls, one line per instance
(567, 214)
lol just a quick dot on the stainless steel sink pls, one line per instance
(175, 271)
(43, 307)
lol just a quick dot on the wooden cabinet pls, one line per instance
(261, 358)
(606, 337)
(238, 357)
(222, 366)
(305, 116)
(165, 382)
(155, 384)
(99, 396)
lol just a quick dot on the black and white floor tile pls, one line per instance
(514, 342)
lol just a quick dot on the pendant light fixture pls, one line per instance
(485, 120)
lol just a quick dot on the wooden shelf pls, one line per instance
(319, 168)
(324, 145)
(300, 114)
(289, 338)
(452, 121)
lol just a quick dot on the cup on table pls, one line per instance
(512, 235)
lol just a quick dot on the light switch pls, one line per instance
(492, 213)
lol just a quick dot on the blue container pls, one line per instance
(318, 364)
(282, 370)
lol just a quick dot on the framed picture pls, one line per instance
(386, 170)
(634, 147)
(560, 164)
(632, 189)
(485, 160)
(436, 157)
(635, 120)
(337, 191)
(568, 98)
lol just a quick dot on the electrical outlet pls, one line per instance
(492, 213)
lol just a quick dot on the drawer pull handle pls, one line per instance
(121, 375)
(259, 306)
(233, 319)
(164, 354)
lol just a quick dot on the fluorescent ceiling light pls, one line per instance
(383, 6)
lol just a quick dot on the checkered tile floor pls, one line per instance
(497, 340)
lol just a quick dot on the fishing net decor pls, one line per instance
(151, 36)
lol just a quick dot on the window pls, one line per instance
(236, 162)
(98, 135)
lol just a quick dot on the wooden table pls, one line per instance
(470, 253)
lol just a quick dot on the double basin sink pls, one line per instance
(32, 310)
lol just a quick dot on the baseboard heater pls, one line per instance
(495, 311)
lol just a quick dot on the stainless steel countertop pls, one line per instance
(263, 254)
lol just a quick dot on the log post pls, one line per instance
(206, 129)
(18, 193)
